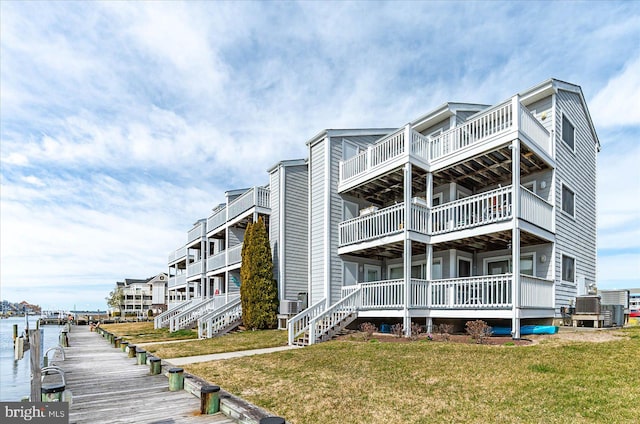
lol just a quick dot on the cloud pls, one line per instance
(618, 102)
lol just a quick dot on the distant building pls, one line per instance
(141, 296)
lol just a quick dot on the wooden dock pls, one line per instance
(108, 387)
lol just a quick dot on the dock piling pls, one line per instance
(141, 356)
(176, 379)
(155, 366)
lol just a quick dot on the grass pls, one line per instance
(143, 332)
(356, 382)
(241, 340)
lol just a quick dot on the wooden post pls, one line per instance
(132, 351)
(123, 346)
(116, 342)
(15, 331)
(141, 355)
(209, 400)
(64, 341)
(176, 379)
(34, 357)
(155, 366)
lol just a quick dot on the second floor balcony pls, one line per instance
(474, 211)
(254, 197)
(229, 257)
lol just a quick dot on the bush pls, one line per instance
(258, 288)
(444, 330)
(397, 330)
(367, 329)
(478, 330)
(416, 330)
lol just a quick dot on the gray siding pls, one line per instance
(575, 236)
(236, 236)
(543, 108)
(316, 221)
(463, 115)
(274, 222)
(296, 231)
(442, 125)
(335, 219)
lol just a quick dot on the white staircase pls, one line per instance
(317, 324)
(221, 320)
(188, 316)
(163, 319)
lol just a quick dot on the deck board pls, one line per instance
(108, 387)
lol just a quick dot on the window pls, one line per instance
(502, 265)
(531, 186)
(568, 269)
(568, 132)
(568, 200)
(437, 199)
(464, 267)
(349, 273)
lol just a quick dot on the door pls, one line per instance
(436, 269)
(372, 273)
(464, 267)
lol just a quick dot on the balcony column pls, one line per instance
(515, 237)
(429, 253)
(407, 247)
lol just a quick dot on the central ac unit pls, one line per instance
(289, 307)
(587, 305)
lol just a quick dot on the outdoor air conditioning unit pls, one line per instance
(587, 305)
(289, 307)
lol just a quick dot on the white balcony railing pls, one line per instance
(216, 261)
(490, 292)
(177, 280)
(535, 292)
(382, 295)
(490, 124)
(177, 254)
(198, 308)
(218, 218)
(234, 255)
(256, 196)
(197, 232)
(380, 223)
(535, 209)
(195, 268)
(484, 208)
(220, 318)
(300, 323)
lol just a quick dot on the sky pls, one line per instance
(123, 123)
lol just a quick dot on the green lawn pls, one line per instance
(143, 332)
(426, 382)
(240, 340)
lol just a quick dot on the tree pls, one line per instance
(258, 288)
(114, 300)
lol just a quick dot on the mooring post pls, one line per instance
(132, 351)
(116, 342)
(272, 420)
(64, 341)
(176, 379)
(15, 331)
(123, 346)
(155, 366)
(209, 400)
(141, 356)
(51, 392)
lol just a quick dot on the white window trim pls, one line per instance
(575, 269)
(485, 261)
(435, 133)
(564, 115)
(438, 196)
(344, 208)
(393, 266)
(462, 258)
(575, 200)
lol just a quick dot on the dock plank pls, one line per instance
(108, 387)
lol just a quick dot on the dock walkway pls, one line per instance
(108, 387)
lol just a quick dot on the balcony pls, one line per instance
(218, 218)
(481, 292)
(481, 209)
(256, 196)
(177, 255)
(234, 255)
(216, 261)
(490, 125)
(177, 280)
(196, 268)
(197, 232)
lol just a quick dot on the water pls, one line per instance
(15, 376)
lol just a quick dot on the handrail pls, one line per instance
(333, 315)
(53, 368)
(56, 348)
(221, 316)
(191, 314)
(300, 323)
(162, 320)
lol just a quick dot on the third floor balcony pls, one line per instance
(498, 124)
